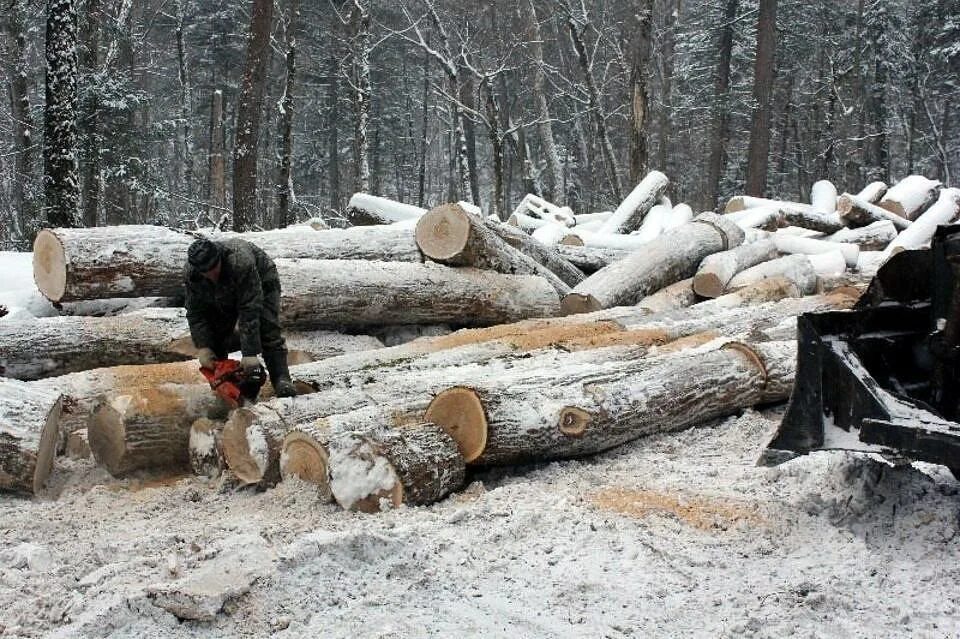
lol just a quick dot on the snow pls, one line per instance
(674, 535)
(18, 293)
(360, 473)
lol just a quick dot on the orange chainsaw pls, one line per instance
(232, 383)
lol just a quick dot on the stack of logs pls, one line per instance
(577, 333)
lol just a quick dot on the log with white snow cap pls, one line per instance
(922, 230)
(653, 223)
(742, 202)
(590, 218)
(628, 216)
(811, 219)
(792, 244)
(673, 256)
(823, 197)
(767, 218)
(873, 192)
(717, 270)
(589, 409)
(364, 209)
(535, 207)
(29, 427)
(858, 212)
(205, 447)
(910, 196)
(590, 259)
(681, 214)
(450, 235)
(873, 237)
(678, 295)
(796, 268)
(354, 293)
(551, 234)
(615, 241)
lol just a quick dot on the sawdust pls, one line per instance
(620, 337)
(127, 378)
(699, 512)
(526, 335)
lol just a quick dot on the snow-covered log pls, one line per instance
(653, 223)
(814, 220)
(205, 447)
(717, 270)
(791, 244)
(551, 234)
(390, 243)
(526, 222)
(921, 231)
(597, 239)
(57, 345)
(755, 235)
(673, 256)
(590, 259)
(628, 216)
(310, 346)
(910, 196)
(535, 207)
(679, 295)
(589, 409)
(823, 197)
(590, 218)
(743, 202)
(873, 237)
(681, 214)
(149, 428)
(857, 212)
(545, 255)
(451, 236)
(873, 192)
(767, 218)
(375, 470)
(772, 289)
(795, 268)
(365, 210)
(29, 426)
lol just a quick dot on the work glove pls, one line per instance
(250, 363)
(207, 357)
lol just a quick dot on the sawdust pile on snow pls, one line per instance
(675, 535)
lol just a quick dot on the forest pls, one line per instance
(181, 112)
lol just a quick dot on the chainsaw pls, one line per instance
(234, 385)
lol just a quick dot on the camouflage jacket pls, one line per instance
(237, 297)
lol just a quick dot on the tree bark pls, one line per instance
(720, 132)
(545, 255)
(717, 270)
(333, 143)
(590, 259)
(29, 425)
(60, 150)
(25, 184)
(910, 196)
(795, 268)
(186, 107)
(792, 244)
(90, 59)
(249, 108)
(216, 180)
(640, 95)
(284, 175)
(873, 237)
(763, 79)
(873, 192)
(670, 258)
(857, 212)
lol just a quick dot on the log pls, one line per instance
(873, 237)
(771, 289)
(589, 218)
(590, 259)
(673, 256)
(449, 235)
(148, 261)
(767, 218)
(795, 268)
(808, 246)
(551, 234)
(921, 231)
(604, 240)
(717, 270)
(755, 235)
(149, 428)
(205, 447)
(628, 216)
(304, 456)
(311, 346)
(857, 212)
(403, 333)
(679, 295)
(365, 210)
(372, 471)
(823, 197)
(58, 345)
(353, 294)
(910, 197)
(813, 220)
(681, 214)
(653, 223)
(78, 445)
(545, 255)
(527, 223)
(29, 424)
(590, 410)
(873, 192)
(533, 206)
(744, 202)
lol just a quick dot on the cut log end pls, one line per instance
(577, 303)
(108, 435)
(572, 240)
(443, 232)
(50, 265)
(241, 448)
(48, 448)
(305, 457)
(707, 285)
(459, 412)
(574, 421)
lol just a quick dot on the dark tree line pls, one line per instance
(272, 111)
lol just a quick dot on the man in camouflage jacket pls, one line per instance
(232, 285)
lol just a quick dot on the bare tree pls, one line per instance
(24, 182)
(61, 179)
(763, 76)
(285, 191)
(721, 105)
(640, 98)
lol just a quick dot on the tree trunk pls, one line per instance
(628, 216)
(792, 244)
(721, 112)
(590, 259)
(61, 178)
(857, 212)
(362, 93)
(216, 181)
(367, 210)
(186, 108)
(670, 298)
(921, 231)
(284, 175)
(90, 60)
(873, 237)
(666, 83)
(449, 235)
(333, 143)
(670, 258)
(249, 108)
(592, 409)
(25, 183)
(717, 270)
(640, 95)
(763, 79)
(910, 196)
(545, 255)
(29, 425)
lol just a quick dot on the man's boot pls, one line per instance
(276, 362)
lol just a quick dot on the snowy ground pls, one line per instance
(675, 535)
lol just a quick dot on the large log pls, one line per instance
(588, 410)
(628, 216)
(743, 202)
(353, 293)
(795, 268)
(811, 219)
(921, 231)
(717, 270)
(450, 235)
(767, 218)
(873, 237)
(857, 212)
(375, 470)
(653, 223)
(29, 425)
(670, 258)
(873, 192)
(669, 298)
(823, 197)
(148, 261)
(365, 210)
(590, 259)
(910, 196)
(545, 255)
(794, 245)
(604, 240)
(681, 214)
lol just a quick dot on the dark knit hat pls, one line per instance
(203, 255)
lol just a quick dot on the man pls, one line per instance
(234, 284)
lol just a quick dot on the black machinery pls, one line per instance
(883, 377)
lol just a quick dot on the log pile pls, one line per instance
(568, 335)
